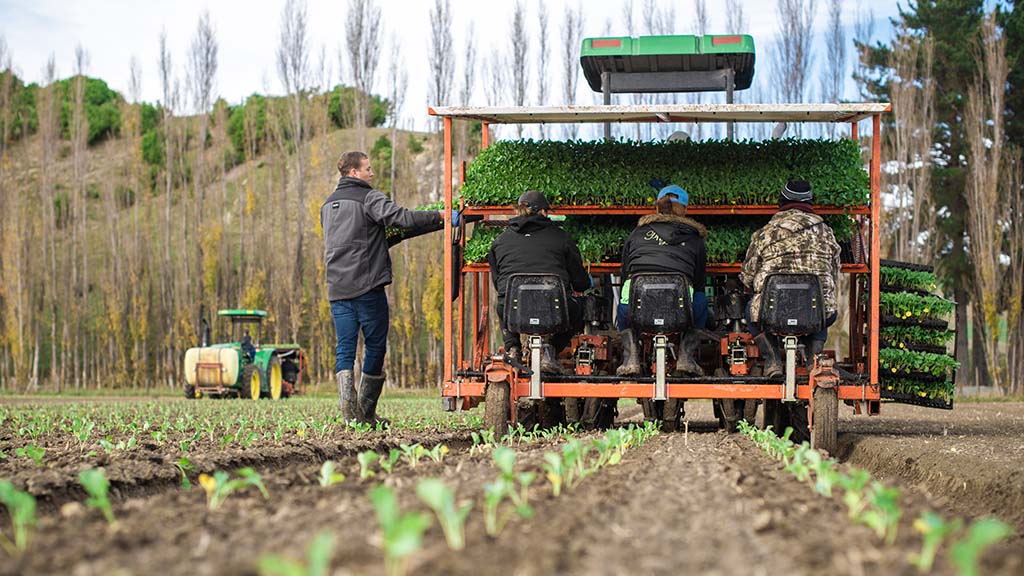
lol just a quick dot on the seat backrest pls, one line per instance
(792, 305)
(659, 303)
(536, 304)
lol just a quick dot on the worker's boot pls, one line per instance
(773, 367)
(514, 358)
(812, 349)
(549, 363)
(348, 399)
(630, 355)
(685, 363)
(369, 392)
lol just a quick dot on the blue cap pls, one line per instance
(681, 197)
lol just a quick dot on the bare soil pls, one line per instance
(697, 502)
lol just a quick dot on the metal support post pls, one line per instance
(730, 84)
(606, 91)
(790, 344)
(660, 388)
(535, 385)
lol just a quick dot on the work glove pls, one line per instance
(455, 217)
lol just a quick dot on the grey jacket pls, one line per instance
(354, 219)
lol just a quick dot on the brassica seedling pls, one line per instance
(184, 465)
(402, 533)
(32, 452)
(934, 530)
(21, 508)
(318, 563)
(981, 535)
(366, 459)
(98, 487)
(219, 486)
(388, 464)
(452, 517)
(328, 477)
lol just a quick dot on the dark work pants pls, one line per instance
(369, 313)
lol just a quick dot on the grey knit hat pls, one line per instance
(796, 191)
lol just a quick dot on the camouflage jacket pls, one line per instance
(793, 242)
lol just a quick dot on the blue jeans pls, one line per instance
(370, 313)
(822, 336)
(699, 308)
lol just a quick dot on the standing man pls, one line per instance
(358, 268)
(796, 241)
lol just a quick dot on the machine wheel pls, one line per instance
(671, 414)
(651, 409)
(574, 410)
(776, 415)
(496, 408)
(190, 392)
(826, 420)
(252, 382)
(600, 413)
(750, 411)
(274, 377)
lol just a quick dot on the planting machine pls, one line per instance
(243, 367)
(807, 397)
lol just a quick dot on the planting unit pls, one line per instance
(601, 188)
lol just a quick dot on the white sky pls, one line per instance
(112, 31)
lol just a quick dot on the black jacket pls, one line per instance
(354, 219)
(533, 244)
(667, 243)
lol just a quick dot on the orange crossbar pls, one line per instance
(641, 390)
(692, 210)
(613, 268)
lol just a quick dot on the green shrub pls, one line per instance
(342, 102)
(22, 107)
(256, 107)
(714, 172)
(101, 107)
(153, 148)
(149, 117)
(416, 145)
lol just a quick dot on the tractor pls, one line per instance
(243, 367)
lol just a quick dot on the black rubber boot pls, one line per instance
(549, 363)
(369, 392)
(348, 398)
(630, 355)
(812, 349)
(685, 364)
(514, 358)
(773, 368)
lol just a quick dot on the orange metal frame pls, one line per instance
(862, 318)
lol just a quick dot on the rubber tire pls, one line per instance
(776, 415)
(574, 410)
(190, 392)
(600, 413)
(651, 409)
(671, 414)
(496, 408)
(275, 381)
(824, 437)
(248, 374)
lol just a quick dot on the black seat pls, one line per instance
(536, 304)
(660, 304)
(792, 305)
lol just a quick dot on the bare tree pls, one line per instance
(542, 59)
(908, 145)
(735, 19)
(398, 82)
(863, 36)
(167, 84)
(362, 39)
(520, 52)
(983, 126)
(834, 73)
(792, 53)
(572, 34)
(1013, 185)
(466, 89)
(442, 61)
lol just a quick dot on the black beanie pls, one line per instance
(796, 191)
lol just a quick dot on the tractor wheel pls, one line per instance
(274, 377)
(190, 392)
(826, 420)
(750, 411)
(776, 415)
(574, 410)
(496, 408)
(252, 382)
(651, 409)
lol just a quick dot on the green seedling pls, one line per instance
(318, 560)
(360, 427)
(328, 477)
(452, 517)
(981, 535)
(554, 471)
(412, 453)
(219, 486)
(97, 486)
(366, 460)
(21, 508)
(934, 531)
(32, 452)
(883, 514)
(437, 453)
(853, 491)
(184, 465)
(402, 534)
(388, 464)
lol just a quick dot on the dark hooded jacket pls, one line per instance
(669, 244)
(533, 244)
(354, 219)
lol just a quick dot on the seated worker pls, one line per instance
(533, 244)
(247, 348)
(665, 242)
(795, 241)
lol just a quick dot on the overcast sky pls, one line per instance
(112, 31)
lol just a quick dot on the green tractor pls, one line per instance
(243, 367)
